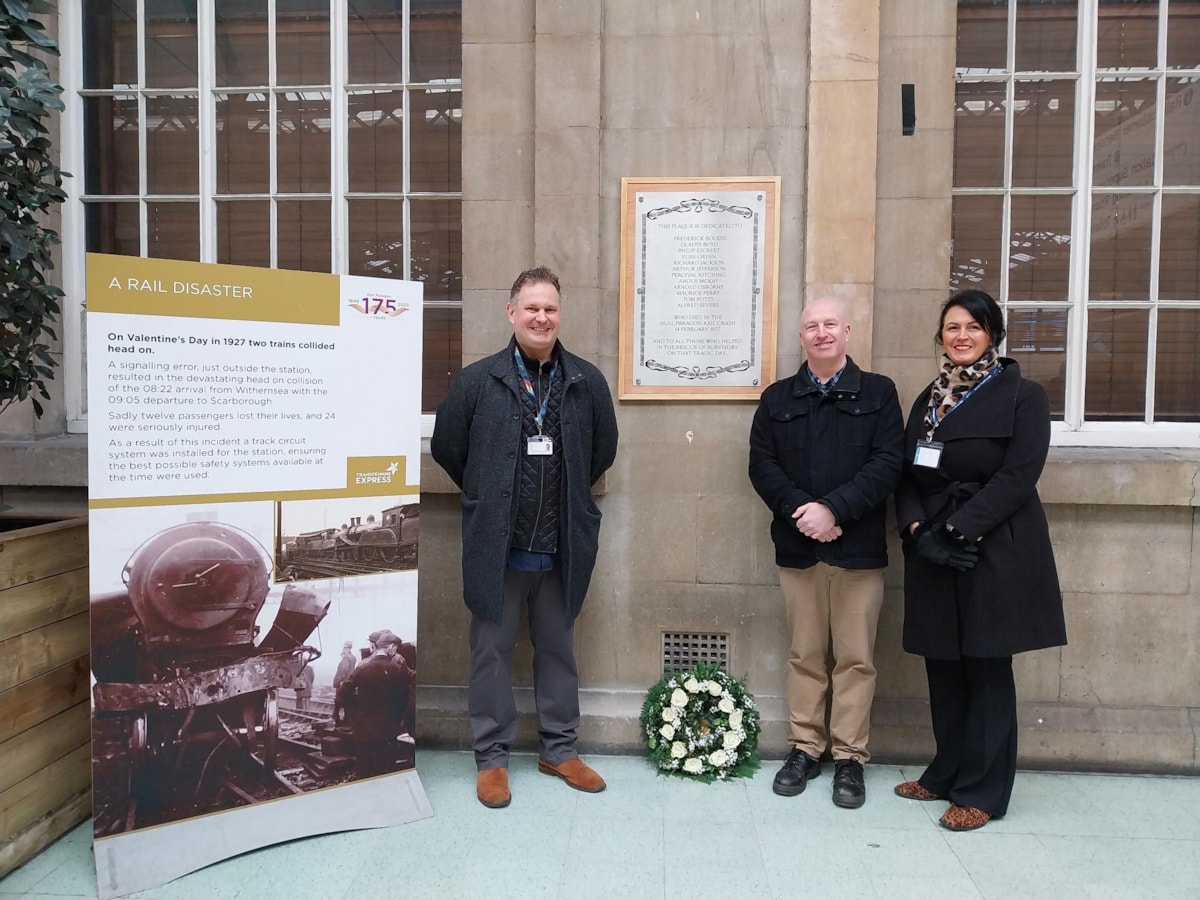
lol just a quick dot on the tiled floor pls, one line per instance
(1065, 836)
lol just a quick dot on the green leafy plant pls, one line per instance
(30, 185)
(701, 724)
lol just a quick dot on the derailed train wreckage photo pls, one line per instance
(185, 705)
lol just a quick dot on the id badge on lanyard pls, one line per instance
(928, 454)
(539, 445)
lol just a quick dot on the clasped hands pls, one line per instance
(815, 520)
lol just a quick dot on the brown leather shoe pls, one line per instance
(491, 787)
(576, 773)
(912, 790)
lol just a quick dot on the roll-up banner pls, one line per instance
(254, 492)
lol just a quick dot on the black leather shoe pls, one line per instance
(849, 790)
(792, 779)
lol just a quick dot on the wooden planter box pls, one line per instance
(45, 742)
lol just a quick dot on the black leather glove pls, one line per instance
(941, 547)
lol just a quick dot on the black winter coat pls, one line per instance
(477, 439)
(985, 486)
(843, 448)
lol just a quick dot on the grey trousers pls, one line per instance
(490, 704)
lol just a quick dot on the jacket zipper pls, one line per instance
(537, 403)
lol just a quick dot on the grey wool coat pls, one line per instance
(477, 440)
(986, 487)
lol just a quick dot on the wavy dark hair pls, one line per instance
(983, 309)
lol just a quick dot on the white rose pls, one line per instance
(692, 686)
(717, 758)
(669, 714)
(679, 698)
(678, 750)
(731, 740)
(667, 731)
(735, 719)
(693, 765)
(714, 688)
(726, 706)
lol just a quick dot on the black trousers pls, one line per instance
(973, 703)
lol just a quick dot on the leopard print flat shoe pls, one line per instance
(964, 818)
(912, 790)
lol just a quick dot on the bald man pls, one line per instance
(825, 453)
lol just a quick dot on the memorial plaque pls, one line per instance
(698, 287)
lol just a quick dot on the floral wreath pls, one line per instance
(701, 724)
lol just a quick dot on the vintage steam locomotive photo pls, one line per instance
(214, 688)
(315, 542)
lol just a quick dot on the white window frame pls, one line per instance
(74, 229)
(1073, 431)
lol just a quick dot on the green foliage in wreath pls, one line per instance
(701, 724)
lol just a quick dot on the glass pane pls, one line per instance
(1120, 259)
(304, 235)
(437, 248)
(302, 142)
(172, 145)
(243, 144)
(109, 43)
(977, 245)
(1178, 265)
(376, 140)
(436, 135)
(1046, 35)
(110, 132)
(1043, 133)
(376, 42)
(1040, 248)
(435, 41)
(376, 238)
(171, 43)
(1124, 131)
(1127, 34)
(173, 230)
(982, 36)
(113, 228)
(1037, 339)
(241, 34)
(1116, 365)
(301, 42)
(244, 232)
(1177, 366)
(979, 135)
(1183, 34)
(443, 354)
(1181, 132)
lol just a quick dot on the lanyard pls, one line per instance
(961, 400)
(525, 380)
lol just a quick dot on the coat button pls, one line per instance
(504, 494)
(516, 416)
(511, 454)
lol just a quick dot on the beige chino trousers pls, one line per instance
(831, 609)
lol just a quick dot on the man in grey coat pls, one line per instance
(524, 434)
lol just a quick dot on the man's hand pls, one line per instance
(815, 520)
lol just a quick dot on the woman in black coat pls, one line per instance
(980, 582)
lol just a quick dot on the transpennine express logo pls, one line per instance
(379, 307)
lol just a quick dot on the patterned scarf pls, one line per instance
(954, 382)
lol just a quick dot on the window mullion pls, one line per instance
(339, 105)
(143, 177)
(1081, 218)
(74, 228)
(1160, 126)
(273, 132)
(206, 110)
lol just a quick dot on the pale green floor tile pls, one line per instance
(581, 880)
